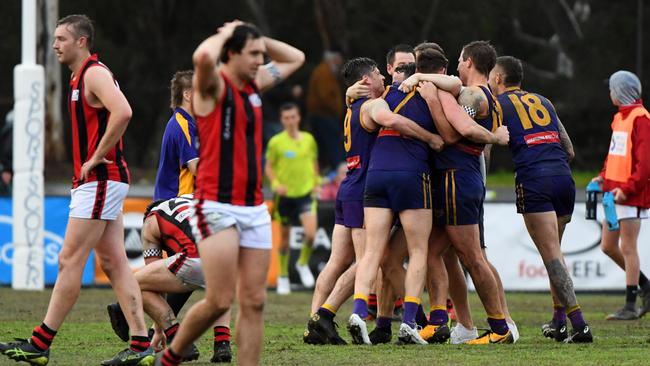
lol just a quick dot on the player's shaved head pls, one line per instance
(511, 70)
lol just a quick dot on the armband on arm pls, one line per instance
(471, 111)
(152, 252)
(275, 73)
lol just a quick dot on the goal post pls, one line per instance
(28, 155)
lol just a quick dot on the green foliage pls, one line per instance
(145, 42)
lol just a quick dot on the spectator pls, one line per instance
(325, 107)
(330, 189)
(6, 154)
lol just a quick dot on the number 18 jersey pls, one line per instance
(534, 135)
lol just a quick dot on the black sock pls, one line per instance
(171, 332)
(324, 313)
(176, 301)
(630, 296)
(139, 343)
(643, 281)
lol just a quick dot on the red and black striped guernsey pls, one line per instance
(88, 127)
(230, 152)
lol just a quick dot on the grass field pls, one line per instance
(86, 337)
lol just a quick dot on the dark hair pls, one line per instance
(237, 41)
(407, 69)
(181, 81)
(404, 48)
(513, 71)
(355, 69)
(430, 61)
(81, 25)
(429, 45)
(483, 55)
(288, 106)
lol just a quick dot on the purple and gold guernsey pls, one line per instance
(395, 152)
(358, 142)
(466, 154)
(534, 135)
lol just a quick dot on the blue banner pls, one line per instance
(56, 219)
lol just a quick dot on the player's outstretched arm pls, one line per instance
(379, 111)
(285, 60)
(448, 83)
(466, 126)
(565, 141)
(99, 82)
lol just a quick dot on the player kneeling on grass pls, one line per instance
(166, 227)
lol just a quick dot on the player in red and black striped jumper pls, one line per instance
(100, 114)
(231, 224)
(166, 227)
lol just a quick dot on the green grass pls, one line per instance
(86, 337)
(506, 179)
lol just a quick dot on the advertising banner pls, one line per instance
(520, 266)
(56, 220)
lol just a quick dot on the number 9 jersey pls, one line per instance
(534, 135)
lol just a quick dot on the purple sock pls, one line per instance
(577, 321)
(383, 322)
(498, 326)
(360, 308)
(410, 309)
(438, 317)
(559, 314)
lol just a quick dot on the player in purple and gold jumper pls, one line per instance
(541, 150)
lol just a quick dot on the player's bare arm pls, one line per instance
(285, 60)
(466, 126)
(449, 83)
(379, 111)
(565, 141)
(429, 92)
(356, 91)
(150, 237)
(276, 186)
(192, 165)
(102, 91)
(207, 82)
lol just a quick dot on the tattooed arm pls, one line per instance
(565, 141)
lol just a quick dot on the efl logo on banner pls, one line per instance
(513, 253)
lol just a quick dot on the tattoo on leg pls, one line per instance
(169, 318)
(561, 280)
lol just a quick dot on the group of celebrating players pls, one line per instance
(415, 189)
(416, 155)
